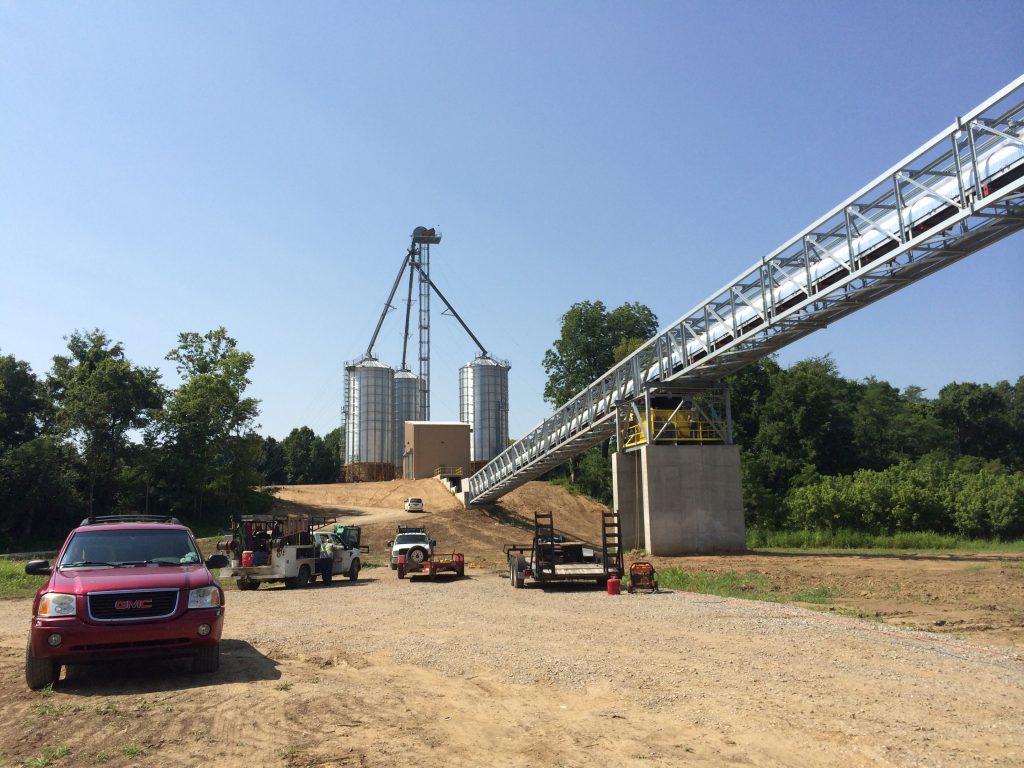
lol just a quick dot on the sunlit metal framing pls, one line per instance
(957, 194)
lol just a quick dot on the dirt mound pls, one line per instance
(479, 533)
(339, 497)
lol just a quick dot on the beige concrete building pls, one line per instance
(430, 445)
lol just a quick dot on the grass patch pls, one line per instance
(134, 750)
(50, 754)
(49, 709)
(819, 595)
(14, 582)
(759, 538)
(746, 586)
(725, 584)
(291, 750)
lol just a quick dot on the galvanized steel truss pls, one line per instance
(954, 196)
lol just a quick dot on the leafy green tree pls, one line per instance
(21, 402)
(100, 397)
(1015, 418)
(586, 346)
(207, 416)
(37, 472)
(306, 458)
(334, 441)
(749, 389)
(38, 495)
(979, 417)
(876, 424)
(918, 429)
(805, 430)
(271, 464)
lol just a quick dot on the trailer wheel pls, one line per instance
(416, 555)
(515, 576)
(247, 584)
(353, 571)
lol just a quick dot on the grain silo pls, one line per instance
(483, 404)
(369, 420)
(408, 407)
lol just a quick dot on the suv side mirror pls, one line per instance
(433, 543)
(38, 568)
(388, 543)
(217, 561)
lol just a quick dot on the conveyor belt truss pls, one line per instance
(957, 194)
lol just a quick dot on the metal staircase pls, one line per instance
(952, 197)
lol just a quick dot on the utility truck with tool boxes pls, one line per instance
(273, 548)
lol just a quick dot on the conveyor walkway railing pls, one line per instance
(952, 197)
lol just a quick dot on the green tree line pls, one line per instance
(99, 434)
(820, 451)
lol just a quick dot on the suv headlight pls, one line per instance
(204, 597)
(56, 604)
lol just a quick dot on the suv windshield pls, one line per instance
(130, 547)
(411, 538)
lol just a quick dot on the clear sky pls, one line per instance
(169, 167)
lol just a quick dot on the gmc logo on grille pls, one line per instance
(132, 605)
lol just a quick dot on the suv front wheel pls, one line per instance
(207, 659)
(39, 673)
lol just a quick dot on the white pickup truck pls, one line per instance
(346, 552)
(412, 542)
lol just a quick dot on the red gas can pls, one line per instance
(247, 559)
(613, 586)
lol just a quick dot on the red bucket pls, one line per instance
(613, 586)
(247, 559)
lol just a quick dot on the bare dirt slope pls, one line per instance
(382, 672)
(480, 534)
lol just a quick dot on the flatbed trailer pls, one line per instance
(453, 562)
(551, 557)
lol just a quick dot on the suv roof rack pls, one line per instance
(130, 518)
(411, 529)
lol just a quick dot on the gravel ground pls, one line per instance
(761, 672)
(470, 671)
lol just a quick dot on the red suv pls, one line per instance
(125, 587)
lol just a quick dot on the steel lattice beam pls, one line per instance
(957, 194)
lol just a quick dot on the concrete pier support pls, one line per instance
(679, 500)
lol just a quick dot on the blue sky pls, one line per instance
(169, 167)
